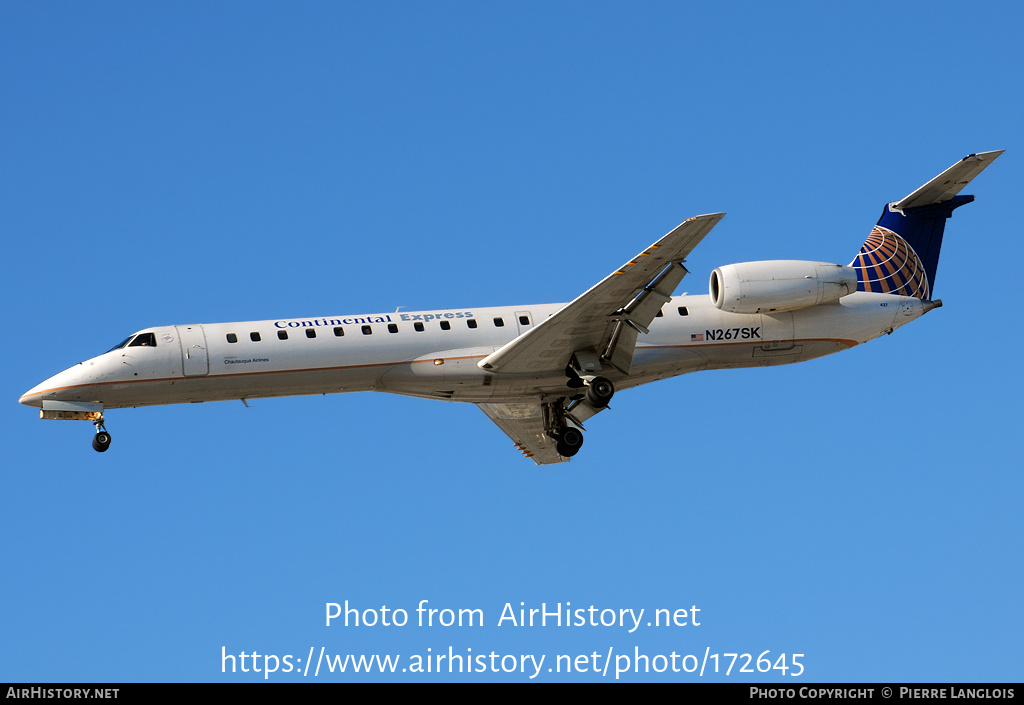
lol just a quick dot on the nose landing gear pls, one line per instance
(79, 411)
(101, 441)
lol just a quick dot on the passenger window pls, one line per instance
(232, 338)
(498, 323)
(311, 332)
(418, 327)
(683, 311)
(282, 334)
(659, 314)
(339, 331)
(144, 340)
(367, 330)
(471, 323)
(524, 320)
(255, 337)
(392, 328)
(445, 325)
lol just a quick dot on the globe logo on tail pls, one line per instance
(888, 265)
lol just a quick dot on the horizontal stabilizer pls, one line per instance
(949, 183)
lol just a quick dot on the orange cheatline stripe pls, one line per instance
(841, 341)
(247, 374)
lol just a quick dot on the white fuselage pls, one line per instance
(434, 354)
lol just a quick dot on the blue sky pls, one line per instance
(168, 163)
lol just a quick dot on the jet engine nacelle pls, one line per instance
(779, 285)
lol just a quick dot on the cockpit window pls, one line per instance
(120, 345)
(144, 339)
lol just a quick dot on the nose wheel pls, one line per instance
(101, 441)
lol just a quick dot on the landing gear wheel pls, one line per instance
(101, 441)
(569, 441)
(599, 392)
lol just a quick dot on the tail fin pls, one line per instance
(901, 254)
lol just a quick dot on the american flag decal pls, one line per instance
(696, 337)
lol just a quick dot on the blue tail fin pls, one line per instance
(901, 255)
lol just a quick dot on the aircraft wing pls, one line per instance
(607, 319)
(524, 424)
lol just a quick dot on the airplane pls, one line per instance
(540, 371)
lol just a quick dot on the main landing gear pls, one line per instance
(101, 441)
(569, 441)
(599, 390)
(562, 428)
(563, 419)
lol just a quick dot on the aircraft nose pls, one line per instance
(56, 387)
(33, 397)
